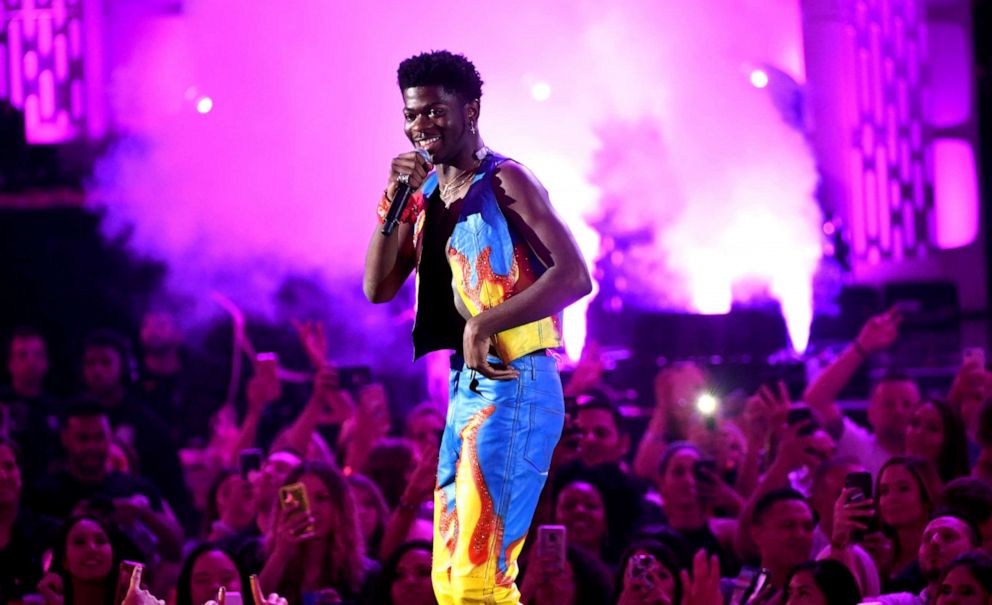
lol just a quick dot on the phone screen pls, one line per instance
(861, 481)
(551, 543)
(758, 583)
(295, 493)
(249, 460)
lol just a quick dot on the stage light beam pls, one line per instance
(204, 105)
(759, 78)
(541, 91)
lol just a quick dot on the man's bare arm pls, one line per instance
(525, 204)
(878, 333)
(391, 259)
(388, 262)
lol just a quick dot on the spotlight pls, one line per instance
(759, 78)
(204, 105)
(707, 404)
(541, 91)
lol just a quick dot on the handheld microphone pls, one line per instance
(403, 191)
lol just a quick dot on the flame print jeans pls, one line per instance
(495, 454)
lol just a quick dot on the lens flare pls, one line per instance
(541, 91)
(707, 404)
(759, 78)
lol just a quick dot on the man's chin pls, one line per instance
(930, 567)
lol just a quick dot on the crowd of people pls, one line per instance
(773, 501)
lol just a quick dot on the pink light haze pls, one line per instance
(955, 194)
(285, 170)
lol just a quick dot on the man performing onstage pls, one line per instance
(495, 267)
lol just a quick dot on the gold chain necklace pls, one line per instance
(451, 189)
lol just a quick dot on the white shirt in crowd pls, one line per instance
(857, 442)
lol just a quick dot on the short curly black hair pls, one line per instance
(441, 68)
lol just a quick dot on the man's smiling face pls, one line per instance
(435, 120)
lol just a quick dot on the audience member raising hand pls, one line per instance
(314, 341)
(703, 586)
(682, 475)
(370, 423)
(676, 389)
(419, 491)
(136, 595)
(892, 399)
(649, 573)
(335, 404)
(84, 564)
(579, 579)
(716, 482)
(322, 548)
(799, 449)
(852, 518)
(762, 423)
(547, 582)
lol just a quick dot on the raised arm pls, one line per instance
(262, 390)
(327, 395)
(161, 523)
(327, 399)
(764, 415)
(675, 391)
(390, 259)
(878, 333)
(654, 441)
(371, 424)
(794, 452)
(525, 203)
(419, 490)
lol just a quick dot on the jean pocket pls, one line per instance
(543, 432)
(544, 389)
(503, 392)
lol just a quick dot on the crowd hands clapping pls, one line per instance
(754, 504)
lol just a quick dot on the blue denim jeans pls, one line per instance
(495, 454)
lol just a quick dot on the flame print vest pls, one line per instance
(491, 262)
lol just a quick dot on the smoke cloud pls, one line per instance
(636, 109)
